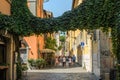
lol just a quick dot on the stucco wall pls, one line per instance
(4, 7)
(32, 42)
(96, 63)
(105, 53)
(35, 41)
(87, 54)
(32, 7)
(41, 42)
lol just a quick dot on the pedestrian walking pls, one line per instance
(60, 60)
(56, 61)
(69, 60)
(64, 61)
(74, 59)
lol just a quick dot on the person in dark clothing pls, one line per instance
(74, 58)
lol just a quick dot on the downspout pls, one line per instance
(92, 53)
(98, 56)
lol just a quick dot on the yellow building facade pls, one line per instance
(92, 49)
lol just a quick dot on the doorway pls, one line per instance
(2, 62)
(79, 55)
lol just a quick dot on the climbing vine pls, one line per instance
(91, 14)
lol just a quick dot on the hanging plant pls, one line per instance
(91, 14)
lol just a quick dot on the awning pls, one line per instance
(47, 51)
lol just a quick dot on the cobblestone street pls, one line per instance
(76, 73)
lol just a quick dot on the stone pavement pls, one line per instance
(75, 73)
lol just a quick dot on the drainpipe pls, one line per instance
(91, 45)
(92, 55)
(98, 56)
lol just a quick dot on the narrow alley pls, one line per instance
(59, 39)
(75, 73)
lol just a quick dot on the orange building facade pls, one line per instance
(5, 7)
(35, 42)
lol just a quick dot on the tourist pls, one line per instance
(74, 59)
(69, 60)
(60, 60)
(64, 61)
(56, 61)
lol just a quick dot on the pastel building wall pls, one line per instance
(35, 42)
(32, 42)
(86, 54)
(5, 7)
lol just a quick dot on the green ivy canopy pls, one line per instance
(91, 14)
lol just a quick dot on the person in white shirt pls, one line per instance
(64, 61)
